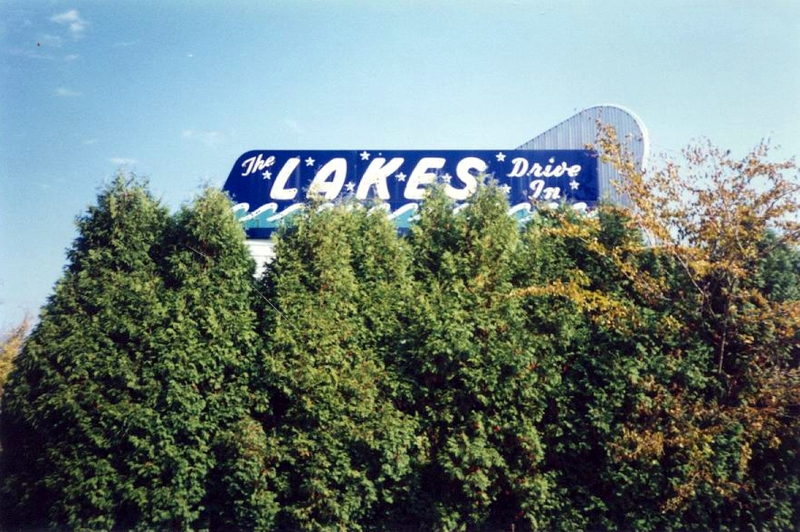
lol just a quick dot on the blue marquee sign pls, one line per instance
(268, 185)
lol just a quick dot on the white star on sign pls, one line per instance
(401, 176)
(574, 185)
(267, 174)
(364, 155)
(501, 157)
(446, 178)
(350, 186)
(309, 162)
(506, 189)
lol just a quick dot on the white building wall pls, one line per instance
(262, 252)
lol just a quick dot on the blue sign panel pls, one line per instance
(268, 185)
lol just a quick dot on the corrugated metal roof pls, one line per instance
(580, 130)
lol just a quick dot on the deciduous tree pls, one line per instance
(723, 223)
(10, 346)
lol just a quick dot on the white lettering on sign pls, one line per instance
(464, 171)
(523, 168)
(333, 177)
(542, 192)
(422, 175)
(400, 180)
(375, 176)
(279, 190)
(257, 164)
(329, 189)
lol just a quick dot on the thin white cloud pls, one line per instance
(49, 41)
(89, 142)
(208, 138)
(122, 161)
(66, 93)
(72, 20)
(71, 57)
(125, 44)
(30, 53)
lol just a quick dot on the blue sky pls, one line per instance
(176, 90)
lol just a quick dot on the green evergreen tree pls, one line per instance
(577, 296)
(75, 405)
(779, 272)
(479, 389)
(344, 445)
(119, 411)
(469, 376)
(207, 355)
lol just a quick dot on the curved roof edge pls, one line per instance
(639, 122)
(580, 130)
(599, 107)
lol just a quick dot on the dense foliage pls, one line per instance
(137, 369)
(10, 346)
(566, 374)
(329, 319)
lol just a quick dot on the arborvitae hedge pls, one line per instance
(135, 375)
(480, 376)
(343, 444)
(471, 374)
